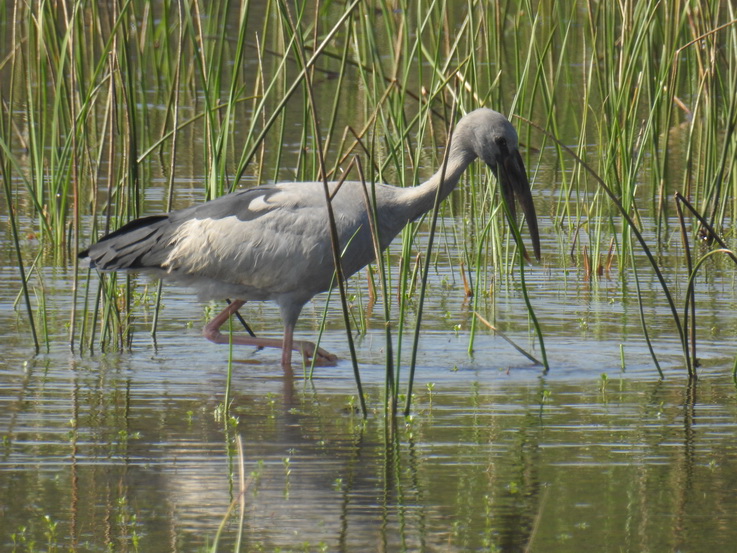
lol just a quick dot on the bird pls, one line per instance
(272, 242)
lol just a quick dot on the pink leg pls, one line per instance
(307, 349)
(212, 330)
(286, 347)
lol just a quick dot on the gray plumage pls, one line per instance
(272, 242)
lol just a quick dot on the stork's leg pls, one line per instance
(307, 349)
(286, 348)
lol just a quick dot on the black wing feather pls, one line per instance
(132, 246)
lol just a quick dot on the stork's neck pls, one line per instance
(420, 199)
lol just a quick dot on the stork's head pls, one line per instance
(491, 137)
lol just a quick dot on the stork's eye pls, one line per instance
(501, 144)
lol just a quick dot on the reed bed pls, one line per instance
(104, 106)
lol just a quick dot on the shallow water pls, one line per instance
(126, 450)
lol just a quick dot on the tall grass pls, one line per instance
(101, 103)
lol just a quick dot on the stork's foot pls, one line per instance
(308, 350)
(287, 345)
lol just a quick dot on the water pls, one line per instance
(126, 449)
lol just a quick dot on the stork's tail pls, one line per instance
(139, 245)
